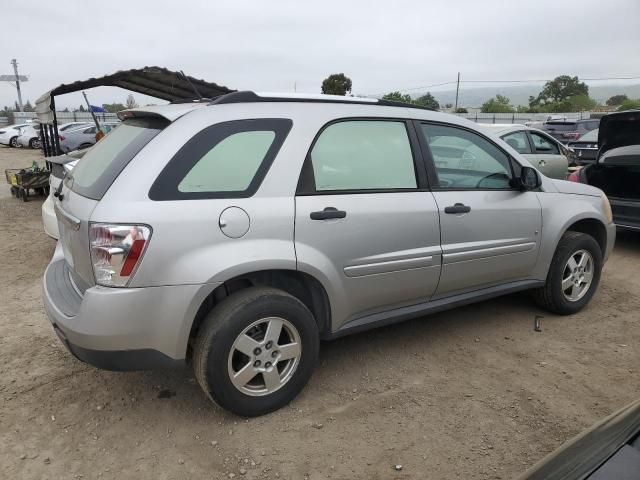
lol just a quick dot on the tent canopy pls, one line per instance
(156, 82)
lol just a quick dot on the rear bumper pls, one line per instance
(626, 214)
(121, 328)
(611, 240)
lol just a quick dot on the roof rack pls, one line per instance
(248, 96)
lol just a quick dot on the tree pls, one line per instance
(131, 102)
(397, 97)
(580, 103)
(461, 110)
(82, 109)
(336, 84)
(448, 105)
(66, 109)
(558, 90)
(630, 104)
(28, 107)
(113, 107)
(428, 101)
(616, 100)
(499, 104)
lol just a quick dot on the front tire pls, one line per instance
(256, 351)
(574, 274)
(34, 143)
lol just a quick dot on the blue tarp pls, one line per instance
(97, 109)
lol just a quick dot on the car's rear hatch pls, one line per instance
(87, 183)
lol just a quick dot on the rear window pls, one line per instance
(103, 162)
(561, 126)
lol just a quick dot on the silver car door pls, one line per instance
(547, 156)
(364, 226)
(490, 231)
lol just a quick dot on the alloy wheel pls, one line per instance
(577, 275)
(264, 357)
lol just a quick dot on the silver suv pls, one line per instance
(235, 235)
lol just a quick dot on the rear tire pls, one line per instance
(242, 323)
(569, 289)
(14, 142)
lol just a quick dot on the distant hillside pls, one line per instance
(519, 94)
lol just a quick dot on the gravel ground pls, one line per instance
(472, 393)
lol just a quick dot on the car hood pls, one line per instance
(619, 129)
(581, 456)
(575, 188)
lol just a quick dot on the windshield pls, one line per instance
(103, 162)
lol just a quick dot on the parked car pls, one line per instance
(585, 148)
(543, 151)
(83, 137)
(610, 450)
(9, 134)
(617, 168)
(234, 235)
(60, 166)
(29, 136)
(568, 130)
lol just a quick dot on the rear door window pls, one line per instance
(225, 160)
(363, 155)
(102, 164)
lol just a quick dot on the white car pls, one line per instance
(9, 134)
(60, 166)
(29, 136)
(544, 152)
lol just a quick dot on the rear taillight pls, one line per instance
(60, 137)
(571, 135)
(573, 177)
(116, 251)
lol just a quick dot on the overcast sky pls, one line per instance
(270, 45)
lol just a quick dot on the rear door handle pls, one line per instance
(542, 163)
(457, 208)
(327, 213)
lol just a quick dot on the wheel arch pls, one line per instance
(593, 227)
(303, 286)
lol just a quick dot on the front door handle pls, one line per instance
(542, 163)
(457, 208)
(327, 213)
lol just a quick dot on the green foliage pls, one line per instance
(112, 107)
(630, 104)
(557, 91)
(428, 101)
(616, 100)
(461, 110)
(397, 97)
(27, 107)
(336, 84)
(82, 109)
(499, 104)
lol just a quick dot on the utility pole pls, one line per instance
(457, 91)
(15, 78)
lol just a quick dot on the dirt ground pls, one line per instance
(472, 393)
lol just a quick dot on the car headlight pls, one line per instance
(606, 207)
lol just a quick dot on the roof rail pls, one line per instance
(248, 96)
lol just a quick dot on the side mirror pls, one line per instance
(529, 179)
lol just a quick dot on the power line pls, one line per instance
(538, 80)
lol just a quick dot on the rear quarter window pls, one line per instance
(103, 162)
(225, 160)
